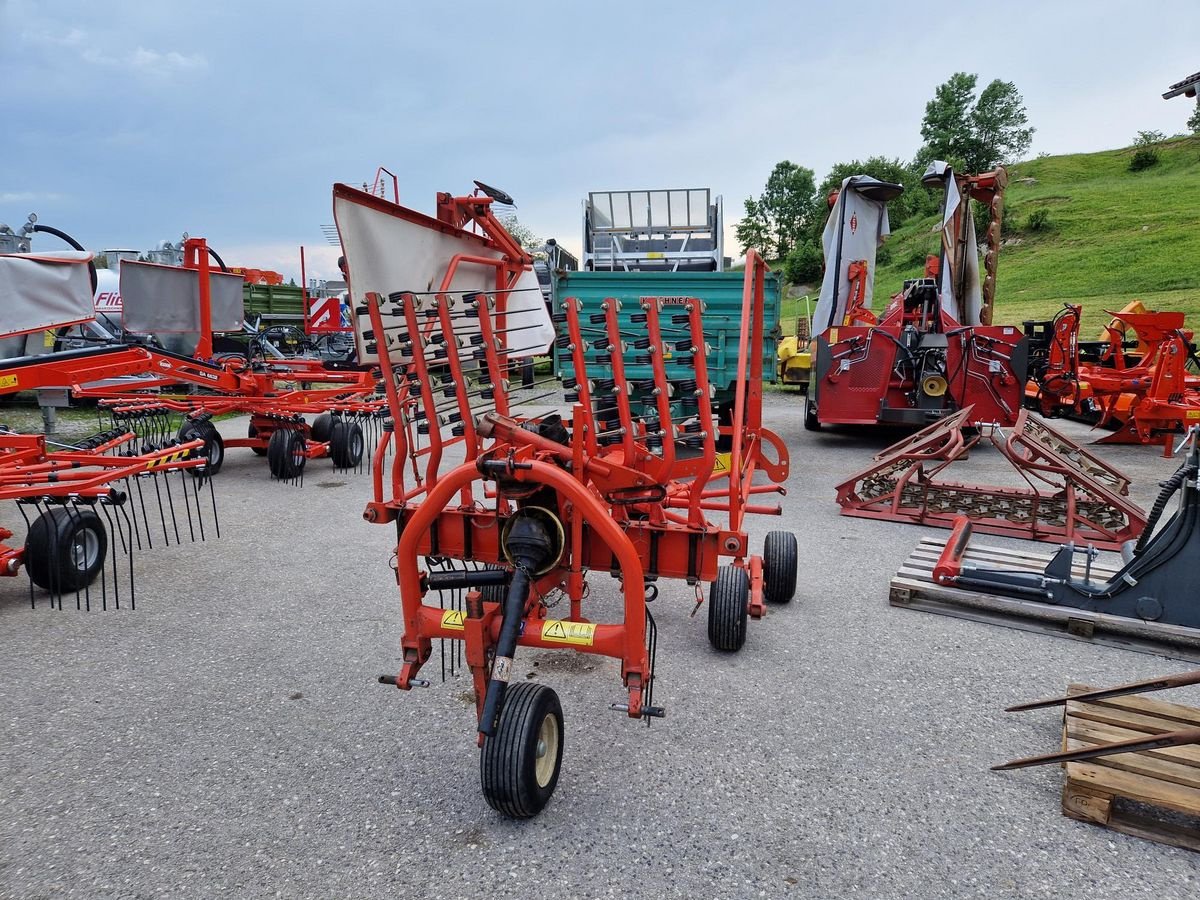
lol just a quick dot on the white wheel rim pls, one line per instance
(85, 549)
(547, 750)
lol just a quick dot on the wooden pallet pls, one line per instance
(913, 587)
(1152, 794)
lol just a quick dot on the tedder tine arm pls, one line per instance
(1179, 738)
(1133, 687)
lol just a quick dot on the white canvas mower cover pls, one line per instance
(960, 252)
(44, 290)
(857, 225)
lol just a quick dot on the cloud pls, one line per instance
(147, 61)
(28, 197)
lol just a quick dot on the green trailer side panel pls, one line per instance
(721, 293)
(274, 302)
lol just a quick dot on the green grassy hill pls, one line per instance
(1113, 236)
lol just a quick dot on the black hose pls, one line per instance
(63, 236)
(220, 262)
(1169, 487)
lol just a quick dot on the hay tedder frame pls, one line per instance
(512, 504)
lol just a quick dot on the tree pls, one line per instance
(753, 230)
(1194, 122)
(782, 214)
(522, 234)
(972, 133)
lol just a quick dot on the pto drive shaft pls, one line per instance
(528, 546)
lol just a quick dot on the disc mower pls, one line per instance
(933, 350)
(507, 504)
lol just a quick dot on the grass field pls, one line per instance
(1112, 236)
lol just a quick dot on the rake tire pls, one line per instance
(214, 444)
(285, 454)
(252, 432)
(519, 764)
(322, 427)
(728, 599)
(346, 444)
(65, 549)
(781, 561)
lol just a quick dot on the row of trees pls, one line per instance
(973, 132)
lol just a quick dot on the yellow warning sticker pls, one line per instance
(833, 333)
(556, 631)
(721, 462)
(1193, 414)
(48, 339)
(454, 618)
(8, 381)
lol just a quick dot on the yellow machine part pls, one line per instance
(795, 360)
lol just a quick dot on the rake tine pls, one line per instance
(1179, 738)
(183, 476)
(145, 517)
(73, 515)
(171, 504)
(116, 568)
(1121, 690)
(196, 497)
(212, 494)
(162, 516)
(132, 587)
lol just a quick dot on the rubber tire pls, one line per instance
(346, 444)
(285, 457)
(322, 427)
(494, 593)
(811, 422)
(728, 599)
(58, 528)
(781, 561)
(214, 444)
(508, 759)
(252, 432)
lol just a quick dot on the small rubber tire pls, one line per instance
(285, 454)
(520, 763)
(52, 547)
(728, 599)
(214, 444)
(811, 422)
(252, 432)
(322, 427)
(494, 593)
(346, 444)
(781, 561)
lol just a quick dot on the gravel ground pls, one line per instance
(227, 738)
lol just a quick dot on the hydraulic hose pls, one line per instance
(1169, 487)
(75, 245)
(220, 262)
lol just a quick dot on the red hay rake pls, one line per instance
(512, 511)
(94, 501)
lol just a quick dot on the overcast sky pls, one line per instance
(125, 123)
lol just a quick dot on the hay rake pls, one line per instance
(95, 501)
(512, 504)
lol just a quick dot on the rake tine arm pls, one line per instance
(1121, 690)
(1180, 738)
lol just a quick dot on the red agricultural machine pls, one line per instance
(933, 350)
(1149, 388)
(150, 390)
(93, 501)
(505, 506)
